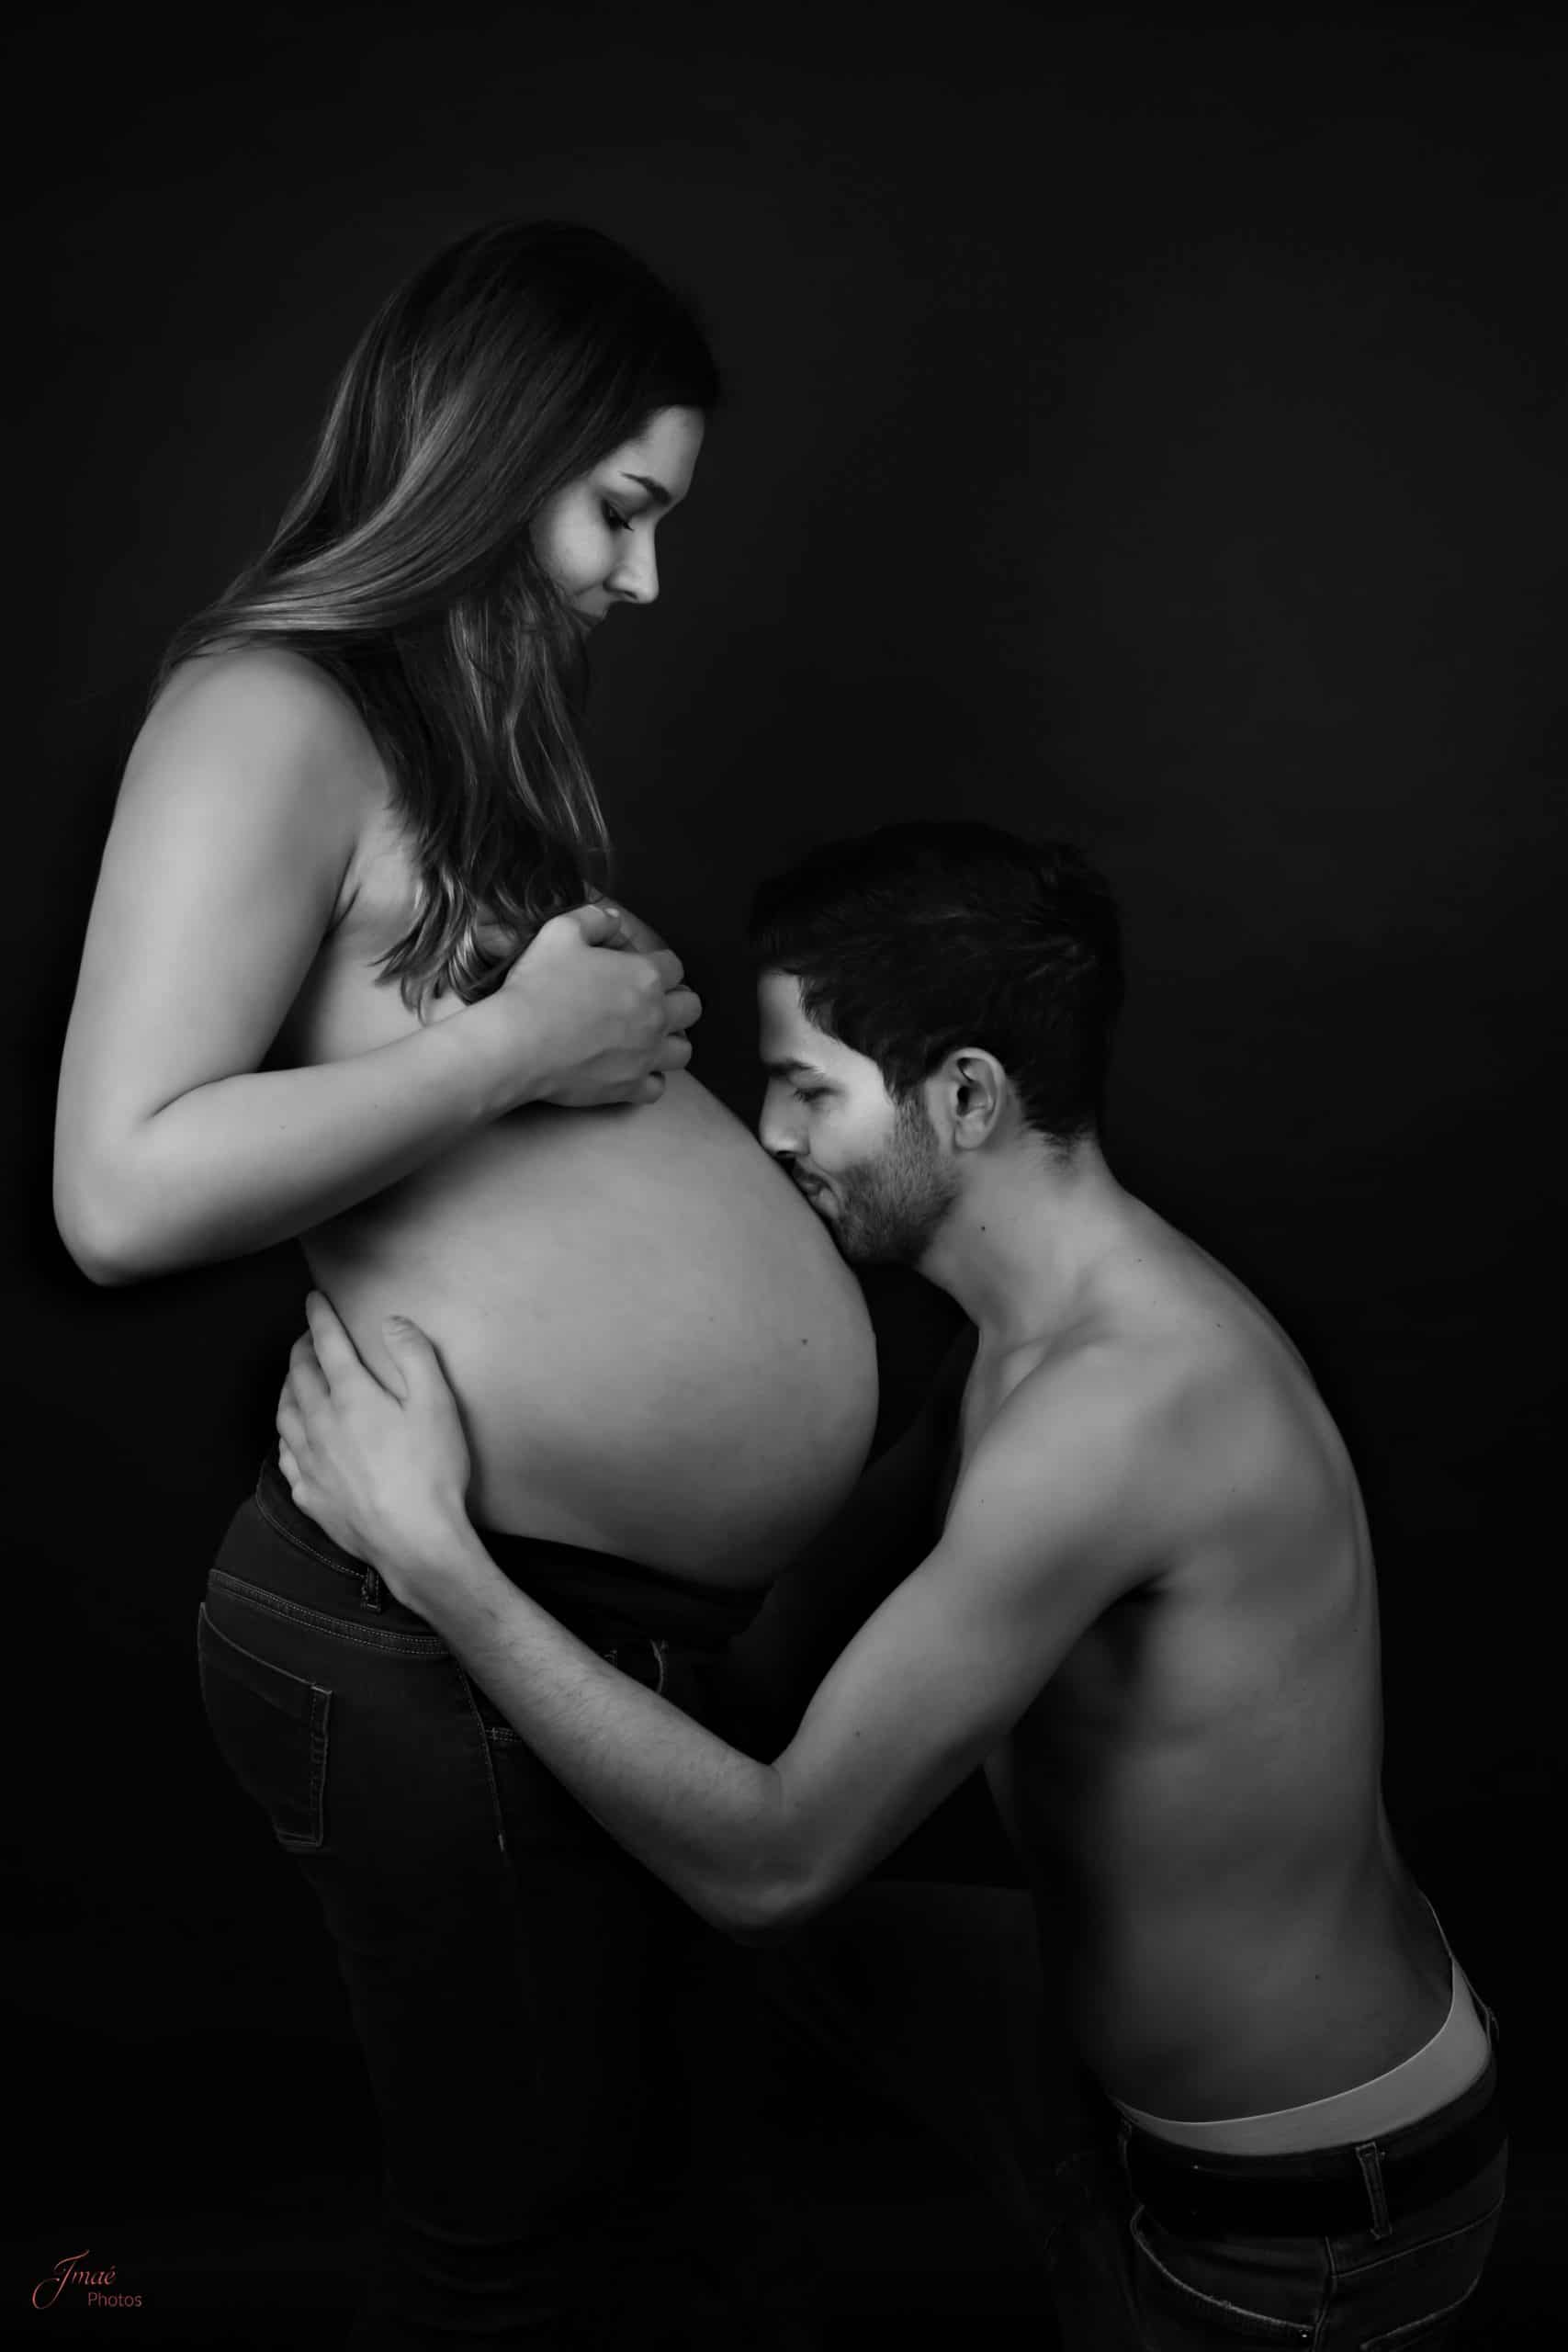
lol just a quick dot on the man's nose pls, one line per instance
(636, 577)
(776, 1132)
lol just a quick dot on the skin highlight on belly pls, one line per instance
(658, 1350)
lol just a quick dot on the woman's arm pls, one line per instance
(229, 861)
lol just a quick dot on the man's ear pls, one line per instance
(972, 1090)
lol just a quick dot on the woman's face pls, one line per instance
(595, 537)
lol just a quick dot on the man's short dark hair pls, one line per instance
(917, 939)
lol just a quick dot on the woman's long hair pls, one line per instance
(511, 364)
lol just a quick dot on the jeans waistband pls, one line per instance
(598, 1596)
(1322, 2192)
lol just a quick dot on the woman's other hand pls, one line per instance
(384, 1471)
(597, 1019)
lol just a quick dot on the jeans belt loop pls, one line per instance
(1371, 2161)
(370, 1590)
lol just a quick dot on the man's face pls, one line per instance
(870, 1167)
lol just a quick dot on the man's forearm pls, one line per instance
(770, 1672)
(710, 1822)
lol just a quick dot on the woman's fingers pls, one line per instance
(632, 932)
(682, 1008)
(596, 921)
(669, 967)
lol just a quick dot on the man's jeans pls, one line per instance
(932, 1995)
(518, 1986)
(1144, 2253)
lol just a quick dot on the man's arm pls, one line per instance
(827, 1591)
(1040, 1538)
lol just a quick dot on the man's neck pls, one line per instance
(1023, 1249)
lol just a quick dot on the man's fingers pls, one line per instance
(674, 1053)
(335, 1351)
(415, 1354)
(682, 1008)
(305, 1374)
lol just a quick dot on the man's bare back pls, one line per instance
(1194, 1794)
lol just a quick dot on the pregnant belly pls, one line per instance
(658, 1350)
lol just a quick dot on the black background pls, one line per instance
(1146, 429)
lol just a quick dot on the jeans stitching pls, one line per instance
(480, 1725)
(418, 1648)
(293, 1841)
(1407, 2329)
(1290, 2331)
(339, 1567)
(1420, 2245)
(1368, 2157)
(321, 1711)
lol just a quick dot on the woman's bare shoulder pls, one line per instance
(262, 715)
(252, 683)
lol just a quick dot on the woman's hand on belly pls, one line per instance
(384, 1473)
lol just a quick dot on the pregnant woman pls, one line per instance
(349, 977)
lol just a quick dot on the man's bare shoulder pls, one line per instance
(1177, 1410)
(1057, 1470)
(1242, 1417)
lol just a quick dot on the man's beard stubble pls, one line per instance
(888, 1209)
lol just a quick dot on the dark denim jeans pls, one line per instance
(932, 1995)
(522, 1991)
(1162, 2255)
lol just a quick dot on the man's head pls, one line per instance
(928, 991)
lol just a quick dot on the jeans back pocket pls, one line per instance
(271, 1730)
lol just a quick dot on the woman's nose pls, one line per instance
(636, 577)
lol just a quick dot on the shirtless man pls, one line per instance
(1149, 1614)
